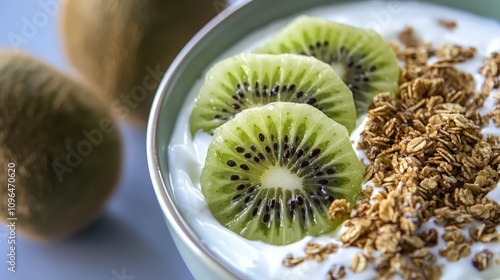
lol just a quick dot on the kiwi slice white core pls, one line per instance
(279, 177)
(340, 69)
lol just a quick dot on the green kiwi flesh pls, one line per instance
(272, 172)
(251, 80)
(362, 58)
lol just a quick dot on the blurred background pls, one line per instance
(130, 240)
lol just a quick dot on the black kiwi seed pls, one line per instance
(252, 147)
(272, 202)
(248, 155)
(240, 187)
(286, 154)
(300, 200)
(239, 149)
(311, 101)
(299, 94)
(262, 137)
(259, 202)
(304, 164)
(323, 182)
(266, 218)
(231, 163)
(235, 177)
(245, 167)
(268, 149)
(330, 171)
(314, 152)
(254, 212)
(299, 153)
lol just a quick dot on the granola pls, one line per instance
(449, 24)
(431, 166)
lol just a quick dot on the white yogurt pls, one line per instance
(258, 260)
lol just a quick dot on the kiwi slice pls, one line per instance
(251, 80)
(362, 58)
(272, 172)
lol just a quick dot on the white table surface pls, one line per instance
(130, 240)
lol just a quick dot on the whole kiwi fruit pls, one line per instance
(60, 151)
(122, 48)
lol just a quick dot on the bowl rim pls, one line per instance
(160, 183)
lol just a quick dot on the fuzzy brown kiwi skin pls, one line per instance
(113, 42)
(42, 112)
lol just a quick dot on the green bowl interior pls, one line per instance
(218, 37)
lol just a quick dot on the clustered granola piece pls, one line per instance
(408, 37)
(449, 24)
(359, 263)
(454, 53)
(430, 165)
(339, 209)
(482, 259)
(336, 272)
(314, 252)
